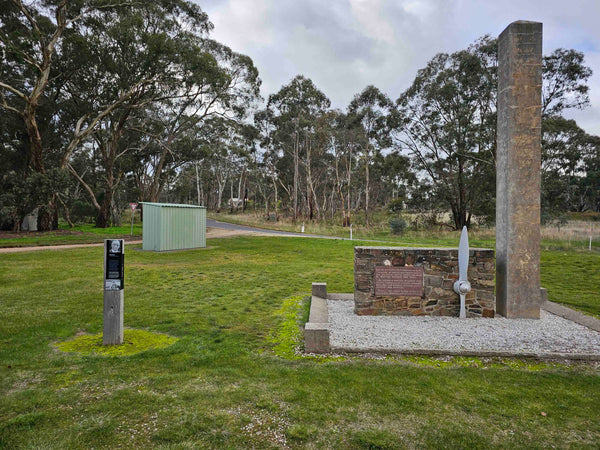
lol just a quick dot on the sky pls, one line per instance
(345, 45)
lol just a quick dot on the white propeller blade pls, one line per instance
(462, 285)
(463, 255)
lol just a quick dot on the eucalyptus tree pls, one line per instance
(343, 147)
(447, 120)
(125, 59)
(567, 167)
(265, 129)
(371, 108)
(444, 123)
(294, 109)
(564, 86)
(591, 182)
(395, 176)
(30, 35)
(212, 81)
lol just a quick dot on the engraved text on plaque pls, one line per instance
(398, 281)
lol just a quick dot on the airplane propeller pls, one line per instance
(462, 285)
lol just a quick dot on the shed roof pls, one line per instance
(172, 205)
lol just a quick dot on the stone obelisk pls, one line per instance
(518, 170)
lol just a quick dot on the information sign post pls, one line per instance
(114, 282)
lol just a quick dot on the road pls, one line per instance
(234, 227)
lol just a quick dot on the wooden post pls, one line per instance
(113, 291)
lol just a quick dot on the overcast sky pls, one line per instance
(345, 45)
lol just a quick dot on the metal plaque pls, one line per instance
(393, 281)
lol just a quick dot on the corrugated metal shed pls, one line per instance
(169, 226)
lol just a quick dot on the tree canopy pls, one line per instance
(109, 102)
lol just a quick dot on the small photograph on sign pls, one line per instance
(115, 246)
(112, 285)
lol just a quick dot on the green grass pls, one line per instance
(379, 230)
(80, 234)
(234, 380)
(573, 278)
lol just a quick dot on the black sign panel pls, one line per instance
(115, 265)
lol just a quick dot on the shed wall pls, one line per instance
(173, 227)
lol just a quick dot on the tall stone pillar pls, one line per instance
(518, 170)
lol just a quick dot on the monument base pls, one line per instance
(419, 281)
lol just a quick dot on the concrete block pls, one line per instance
(319, 290)
(316, 338)
(316, 330)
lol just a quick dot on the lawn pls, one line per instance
(232, 379)
(80, 234)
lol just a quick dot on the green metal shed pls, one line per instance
(169, 226)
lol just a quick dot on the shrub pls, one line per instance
(396, 206)
(397, 225)
(82, 212)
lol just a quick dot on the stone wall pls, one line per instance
(440, 271)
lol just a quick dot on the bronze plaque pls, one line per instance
(393, 281)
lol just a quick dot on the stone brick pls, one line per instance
(435, 281)
(487, 312)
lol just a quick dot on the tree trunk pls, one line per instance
(103, 216)
(36, 150)
(276, 199)
(367, 186)
(66, 210)
(198, 185)
(296, 175)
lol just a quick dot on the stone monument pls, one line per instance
(518, 170)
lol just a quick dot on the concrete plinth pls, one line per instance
(319, 290)
(316, 330)
(518, 170)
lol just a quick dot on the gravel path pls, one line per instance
(550, 334)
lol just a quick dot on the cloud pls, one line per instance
(345, 45)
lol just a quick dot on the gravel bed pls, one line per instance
(550, 334)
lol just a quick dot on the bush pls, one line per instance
(397, 225)
(396, 206)
(82, 212)
(428, 220)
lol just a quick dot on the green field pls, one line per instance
(233, 379)
(80, 234)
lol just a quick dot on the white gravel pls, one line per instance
(550, 334)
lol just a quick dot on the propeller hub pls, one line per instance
(462, 287)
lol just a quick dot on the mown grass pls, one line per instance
(80, 234)
(226, 384)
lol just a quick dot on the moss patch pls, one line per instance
(134, 341)
(287, 337)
